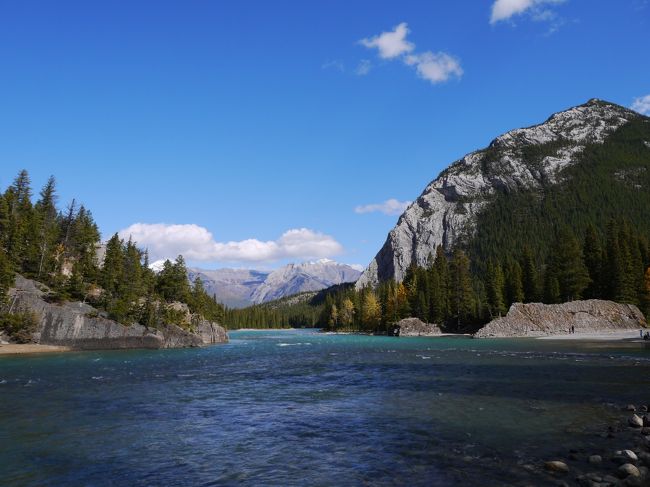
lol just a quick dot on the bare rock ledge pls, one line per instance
(80, 326)
(414, 327)
(589, 316)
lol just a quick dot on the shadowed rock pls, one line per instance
(80, 326)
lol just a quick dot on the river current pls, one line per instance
(305, 408)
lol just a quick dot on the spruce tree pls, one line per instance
(529, 276)
(461, 292)
(568, 266)
(495, 290)
(593, 258)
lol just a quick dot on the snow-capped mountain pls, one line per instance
(523, 159)
(243, 287)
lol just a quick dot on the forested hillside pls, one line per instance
(61, 249)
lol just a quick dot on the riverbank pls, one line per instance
(29, 348)
(613, 336)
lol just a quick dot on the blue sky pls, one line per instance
(246, 133)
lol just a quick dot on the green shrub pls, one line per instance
(19, 326)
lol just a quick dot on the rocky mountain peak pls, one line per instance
(523, 158)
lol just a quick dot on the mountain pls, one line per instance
(243, 287)
(581, 166)
(232, 287)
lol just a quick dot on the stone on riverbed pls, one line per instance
(635, 421)
(626, 456)
(627, 470)
(556, 466)
(595, 459)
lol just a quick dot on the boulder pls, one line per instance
(80, 326)
(556, 466)
(414, 327)
(595, 459)
(635, 421)
(589, 316)
(627, 470)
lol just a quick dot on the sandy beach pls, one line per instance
(19, 349)
(598, 336)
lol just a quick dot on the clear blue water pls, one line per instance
(305, 408)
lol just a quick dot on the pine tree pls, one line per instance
(593, 258)
(568, 266)
(495, 284)
(333, 320)
(529, 276)
(7, 276)
(514, 286)
(461, 292)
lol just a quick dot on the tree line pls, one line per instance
(61, 248)
(451, 292)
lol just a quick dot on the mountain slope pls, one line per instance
(243, 287)
(526, 164)
(232, 287)
(309, 276)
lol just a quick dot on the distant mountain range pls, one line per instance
(238, 288)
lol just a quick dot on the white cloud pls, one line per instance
(435, 67)
(391, 44)
(642, 105)
(196, 243)
(363, 68)
(506, 9)
(388, 207)
(335, 64)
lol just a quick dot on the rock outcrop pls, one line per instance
(414, 327)
(590, 316)
(80, 326)
(447, 208)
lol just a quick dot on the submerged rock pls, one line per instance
(635, 421)
(556, 466)
(80, 326)
(628, 470)
(590, 316)
(414, 327)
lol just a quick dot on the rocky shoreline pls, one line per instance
(625, 463)
(588, 316)
(79, 326)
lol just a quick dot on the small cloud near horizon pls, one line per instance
(196, 243)
(435, 67)
(389, 207)
(641, 105)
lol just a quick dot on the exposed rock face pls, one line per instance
(535, 319)
(448, 206)
(243, 287)
(81, 326)
(414, 327)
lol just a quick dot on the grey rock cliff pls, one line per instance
(448, 206)
(80, 326)
(589, 316)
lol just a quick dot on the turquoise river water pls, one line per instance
(306, 408)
